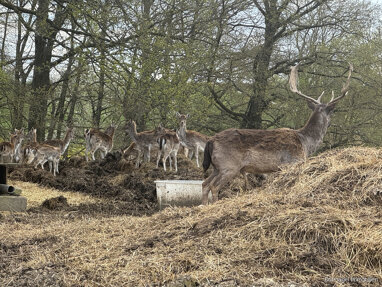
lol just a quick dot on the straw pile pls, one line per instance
(313, 224)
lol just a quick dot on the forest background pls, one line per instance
(224, 62)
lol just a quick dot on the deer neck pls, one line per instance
(182, 131)
(112, 133)
(16, 144)
(133, 134)
(312, 134)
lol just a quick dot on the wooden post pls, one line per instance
(3, 174)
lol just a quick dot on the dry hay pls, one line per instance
(313, 224)
(37, 194)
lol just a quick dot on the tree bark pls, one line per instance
(44, 39)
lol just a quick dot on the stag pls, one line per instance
(235, 151)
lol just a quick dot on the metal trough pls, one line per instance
(179, 192)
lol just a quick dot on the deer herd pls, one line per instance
(230, 152)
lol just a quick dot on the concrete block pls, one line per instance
(13, 203)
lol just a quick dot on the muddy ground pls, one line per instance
(129, 190)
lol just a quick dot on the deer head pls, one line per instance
(182, 120)
(131, 127)
(159, 130)
(70, 133)
(110, 130)
(325, 109)
(315, 129)
(31, 135)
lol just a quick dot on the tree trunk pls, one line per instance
(261, 73)
(64, 92)
(101, 92)
(74, 97)
(41, 79)
(2, 53)
(44, 39)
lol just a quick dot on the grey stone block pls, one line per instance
(13, 203)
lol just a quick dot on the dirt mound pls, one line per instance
(55, 203)
(114, 177)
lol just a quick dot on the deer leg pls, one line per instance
(186, 151)
(206, 186)
(220, 181)
(174, 156)
(158, 157)
(138, 157)
(56, 165)
(164, 162)
(165, 156)
(169, 158)
(92, 153)
(42, 162)
(38, 161)
(197, 155)
(148, 154)
(245, 175)
(191, 153)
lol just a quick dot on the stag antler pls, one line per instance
(345, 87)
(293, 78)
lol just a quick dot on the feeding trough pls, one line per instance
(179, 192)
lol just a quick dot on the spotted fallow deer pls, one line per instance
(144, 142)
(64, 143)
(263, 151)
(46, 153)
(10, 150)
(192, 140)
(29, 139)
(95, 139)
(168, 146)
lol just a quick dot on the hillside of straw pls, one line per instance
(317, 223)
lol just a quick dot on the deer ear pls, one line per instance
(177, 114)
(187, 116)
(311, 105)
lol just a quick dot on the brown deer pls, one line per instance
(95, 139)
(192, 140)
(64, 143)
(168, 145)
(10, 150)
(144, 141)
(29, 139)
(263, 151)
(46, 153)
